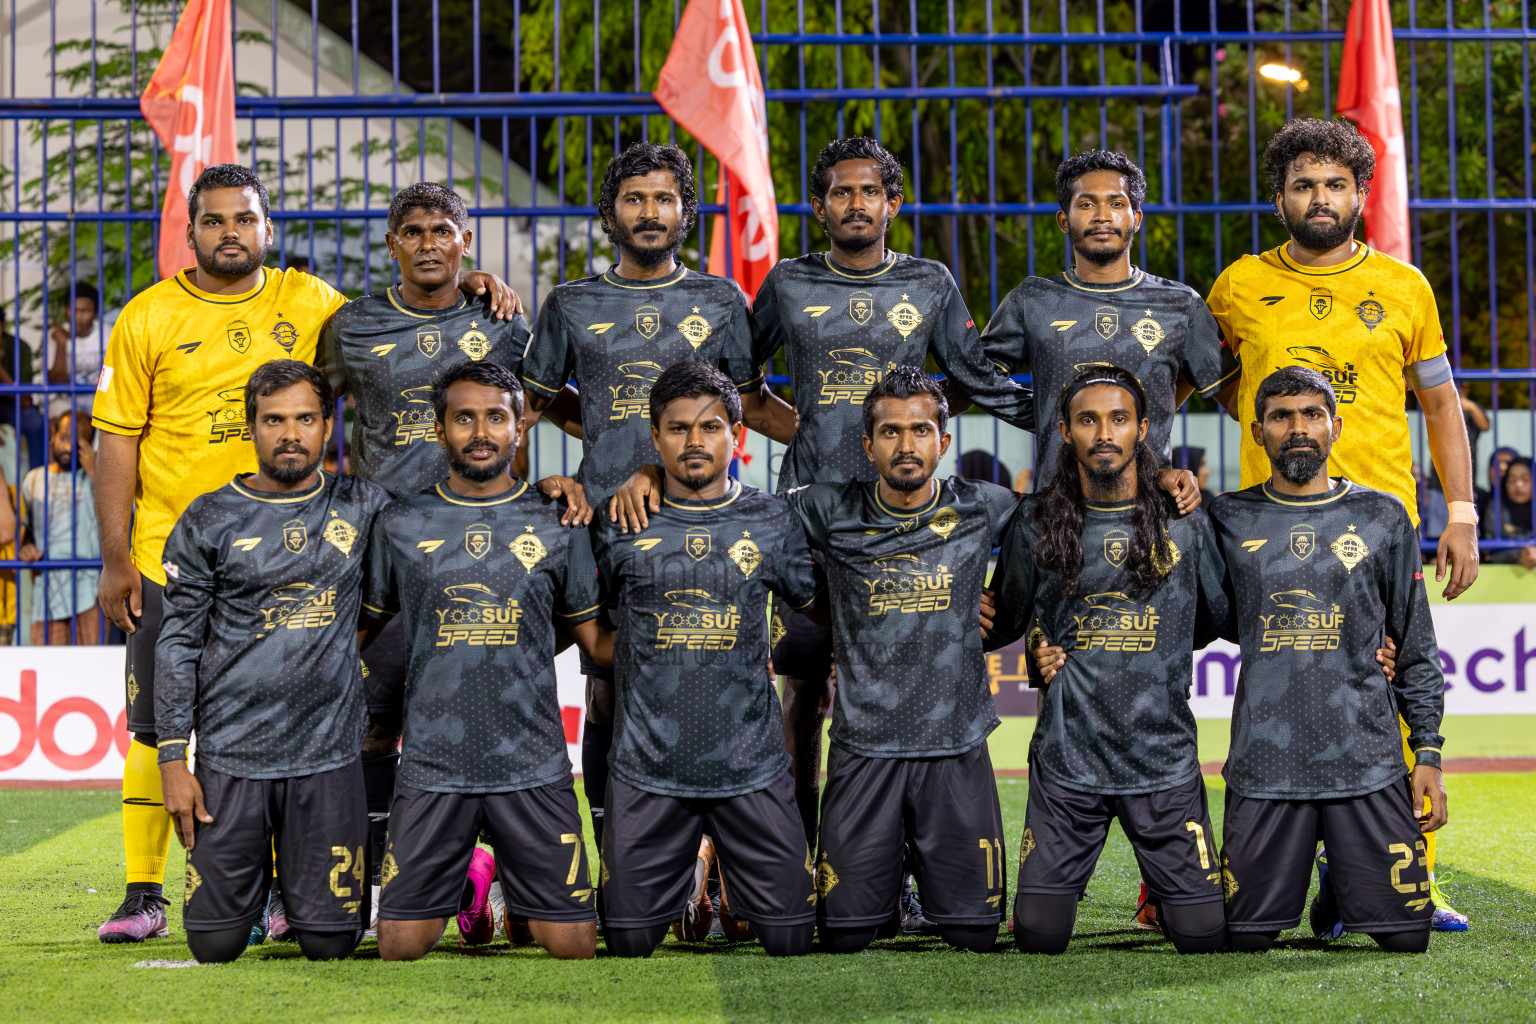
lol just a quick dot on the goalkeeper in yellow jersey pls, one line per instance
(1369, 324)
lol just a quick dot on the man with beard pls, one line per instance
(905, 558)
(1367, 323)
(1318, 570)
(615, 333)
(170, 406)
(1105, 310)
(258, 655)
(481, 568)
(698, 736)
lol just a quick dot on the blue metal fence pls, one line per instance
(342, 101)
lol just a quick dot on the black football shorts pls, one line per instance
(384, 666)
(139, 678)
(805, 649)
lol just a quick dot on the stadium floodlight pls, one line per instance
(1280, 73)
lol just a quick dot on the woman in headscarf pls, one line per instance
(1508, 516)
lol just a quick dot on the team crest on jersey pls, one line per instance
(1303, 542)
(696, 543)
(474, 343)
(285, 334)
(1371, 313)
(429, 340)
(388, 869)
(826, 878)
(1320, 303)
(904, 317)
(776, 630)
(1229, 885)
(340, 534)
(133, 687)
(528, 549)
(1164, 566)
(1349, 549)
(944, 522)
(239, 336)
(194, 881)
(695, 328)
(745, 554)
(1117, 544)
(477, 540)
(295, 535)
(648, 321)
(1026, 846)
(1148, 332)
(861, 306)
(1106, 320)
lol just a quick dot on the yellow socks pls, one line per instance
(146, 826)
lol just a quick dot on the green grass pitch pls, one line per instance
(61, 873)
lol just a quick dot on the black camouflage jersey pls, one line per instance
(257, 652)
(1157, 329)
(1314, 583)
(386, 355)
(480, 582)
(697, 713)
(1116, 718)
(615, 336)
(841, 329)
(905, 591)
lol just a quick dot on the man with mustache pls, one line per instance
(1369, 324)
(258, 655)
(169, 407)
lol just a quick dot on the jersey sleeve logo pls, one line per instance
(295, 535)
(695, 328)
(944, 522)
(1303, 542)
(746, 554)
(239, 336)
(904, 317)
(340, 534)
(696, 543)
(429, 340)
(1106, 320)
(528, 549)
(861, 306)
(1320, 303)
(477, 540)
(1148, 332)
(648, 321)
(1116, 544)
(1350, 549)
(474, 343)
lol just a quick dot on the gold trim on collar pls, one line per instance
(682, 272)
(938, 492)
(1338, 268)
(1344, 488)
(448, 497)
(399, 304)
(1141, 275)
(890, 261)
(257, 495)
(705, 508)
(1110, 508)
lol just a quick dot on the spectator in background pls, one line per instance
(1476, 420)
(1513, 520)
(977, 464)
(1434, 509)
(1193, 459)
(1497, 462)
(78, 343)
(34, 429)
(67, 597)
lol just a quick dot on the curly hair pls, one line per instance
(226, 176)
(429, 196)
(1337, 140)
(856, 147)
(642, 158)
(1074, 168)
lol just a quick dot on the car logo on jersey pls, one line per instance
(429, 340)
(488, 622)
(695, 328)
(1345, 379)
(745, 554)
(285, 334)
(697, 622)
(861, 306)
(474, 343)
(1106, 320)
(696, 543)
(648, 321)
(295, 535)
(1371, 313)
(1117, 544)
(944, 522)
(473, 593)
(528, 549)
(340, 534)
(1320, 304)
(229, 422)
(905, 583)
(1350, 549)
(239, 336)
(853, 384)
(1303, 542)
(477, 540)
(634, 398)
(1149, 332)
(904, 317)
(1305, 623)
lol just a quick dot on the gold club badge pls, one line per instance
(340, 534)
(528, 549)
(1303, 542)
(648, 321)
(295, 535)
(745, 554)
(1106, 320)
(1350, 549)
(429, 340)
(1027, 845)
(239, 336)
(826, 878)
(944, 522)
(388, 869)
(133, 687)
(861, 306)
(1117, 544)
(477, 540)
(1164, 566)
(695, 328)
(1320, 303)
(904, 317)
(194, 880)
(696, 543)
(776, 632)
(1148, 332)
(474, 343)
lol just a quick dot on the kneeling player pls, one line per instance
(481, 568)
(1116, 579)
(905, 558)
(258, 654)
(1318, 570)
(699, 738)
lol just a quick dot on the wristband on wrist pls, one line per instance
(172, 750)
(1463, 512)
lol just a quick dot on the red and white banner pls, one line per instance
(710, 85)
(1369, 95)
(190, 103)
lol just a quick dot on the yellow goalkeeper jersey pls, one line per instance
(175, 373)
(1366, 325)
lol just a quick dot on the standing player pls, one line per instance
(1105, 310)
(258, 655)
(1318, 569)
(480, 568)
(169, 403)
(1132, 592)
(698, 736)
(1366, 322)
(905, 559)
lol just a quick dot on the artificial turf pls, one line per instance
(61, 874)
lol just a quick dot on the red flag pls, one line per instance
(1369, 96)
(190, 103)
(711, 87)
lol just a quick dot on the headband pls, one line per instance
(1070, 392)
